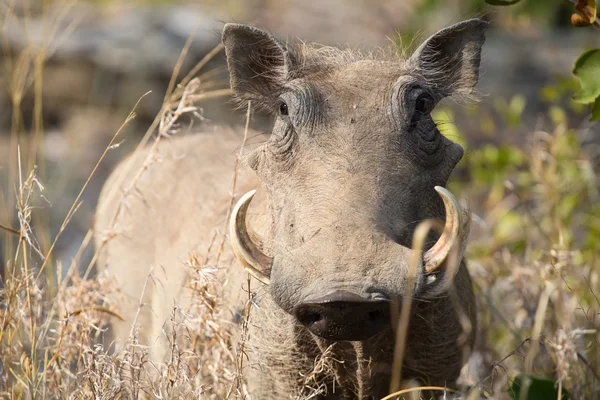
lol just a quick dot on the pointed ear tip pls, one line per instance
(228, 28)
(478, 23)
(233, 30)
(231, 27)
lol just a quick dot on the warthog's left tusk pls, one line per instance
(252, 258)
(434, 257)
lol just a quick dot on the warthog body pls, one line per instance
(342, 182)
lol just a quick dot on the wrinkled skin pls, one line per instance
(343, 180)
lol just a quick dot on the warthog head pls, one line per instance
(353, 165)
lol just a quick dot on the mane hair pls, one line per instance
(313, 58)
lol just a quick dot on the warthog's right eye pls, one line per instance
(424, 103)
(283, 109)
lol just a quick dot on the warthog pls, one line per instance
(353, 165)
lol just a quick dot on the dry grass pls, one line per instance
(535, 265)
(51, 323)
(534, 261)
(50, 328)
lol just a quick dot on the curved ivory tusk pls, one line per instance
(252, 258)
(434, 257)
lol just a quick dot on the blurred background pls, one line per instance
(72, 71)
(97, 58)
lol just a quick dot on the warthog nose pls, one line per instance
(344, 316)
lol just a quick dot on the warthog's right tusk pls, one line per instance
(436, 256)
(252, 258)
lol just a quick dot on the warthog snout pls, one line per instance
(344, 316)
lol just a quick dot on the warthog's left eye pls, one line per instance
(283, 109)
(424, 103)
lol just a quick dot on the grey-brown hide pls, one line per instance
(345, 177)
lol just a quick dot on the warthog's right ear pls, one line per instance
(258, 63)
(449, 60)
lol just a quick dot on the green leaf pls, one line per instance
(557, 114)
(444, 119)
(596, 110)
(587, 69)
(539, 389)
(502, 2)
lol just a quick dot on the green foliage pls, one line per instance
(491, 164)
(552, 166)
(596, 110)
(443, 118)
(502, 2)
(539, 389)
(536, 229)
(587, 69)
(512, 110)
(560, 92)
(587, 66)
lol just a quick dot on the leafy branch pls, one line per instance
(587, 66)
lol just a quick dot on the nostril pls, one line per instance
(313, 317)
(309, 317)
(374, 315)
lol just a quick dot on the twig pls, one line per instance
(75, 205)
(140, 305)
(498, 364)
(201, 64)
(422, 388)
(94, 308)
(236, 169)
(587, 364)
(10, 230)
(213, 94)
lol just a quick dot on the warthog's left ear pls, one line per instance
(449, 60)
(258, 63)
